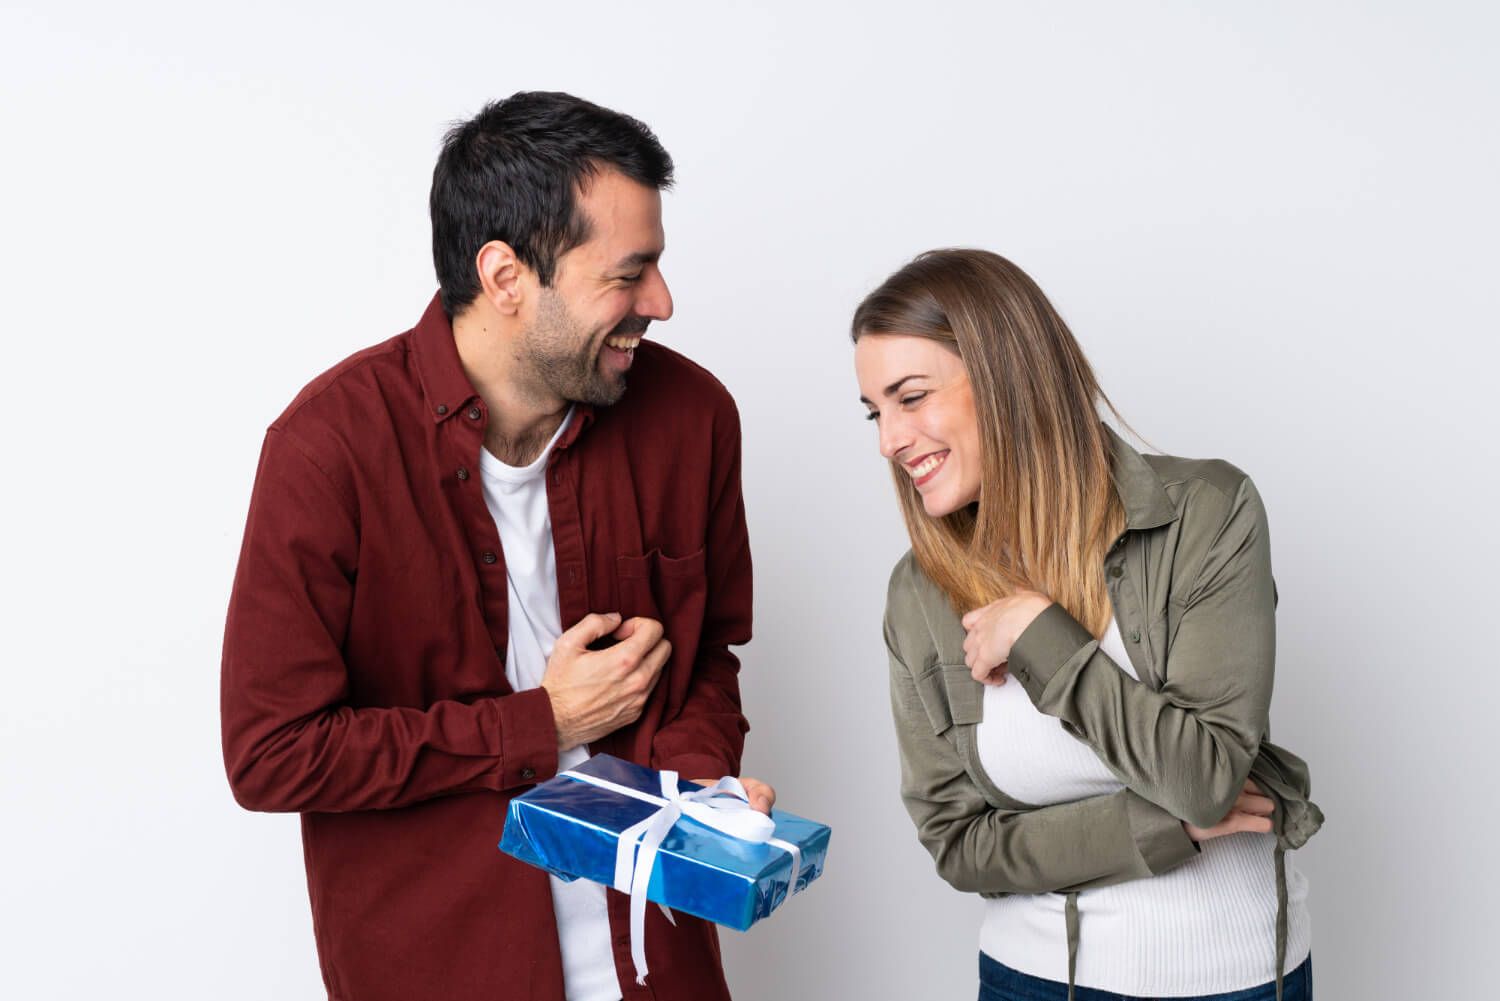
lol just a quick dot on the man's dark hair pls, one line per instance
(512, 173)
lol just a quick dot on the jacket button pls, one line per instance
(1117, 571)
(463, 473)
(474, 414)
(1135, 635)
(528, 773)
(489, 557)
(442, 409)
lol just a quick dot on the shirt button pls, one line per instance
(528, 773)
(1117, 571)
(474, 414)
(489, 557)
(463, 473)
(442, 409)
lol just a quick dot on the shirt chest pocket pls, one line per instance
(674, 591)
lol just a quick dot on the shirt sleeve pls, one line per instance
(1189, 746)
(981, 849)
(292, 741)
(707, 736)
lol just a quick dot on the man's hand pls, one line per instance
(762, 796)
(994, 629)
(597, 692)
(1251, 812)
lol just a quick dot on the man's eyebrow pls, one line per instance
(637, 260)
(893, 387)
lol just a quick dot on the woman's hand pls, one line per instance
(1251, 812)
(994, 629)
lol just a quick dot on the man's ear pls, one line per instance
(500, 277)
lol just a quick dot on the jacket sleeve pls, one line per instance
(291, 740)
(707, 736)
(980, 849)
(1187, 747)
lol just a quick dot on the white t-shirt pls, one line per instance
(1205, 927)
(517, 499)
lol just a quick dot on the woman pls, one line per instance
(1082, 642)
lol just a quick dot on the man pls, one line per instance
(473, 558)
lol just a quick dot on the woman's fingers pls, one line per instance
(1260, 806)
(1237, 822)
(1256, 824)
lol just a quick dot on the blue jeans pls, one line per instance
(998, 982)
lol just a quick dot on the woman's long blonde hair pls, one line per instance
(1047, 511)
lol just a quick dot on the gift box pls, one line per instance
(596, 822)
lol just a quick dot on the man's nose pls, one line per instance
(655, 300)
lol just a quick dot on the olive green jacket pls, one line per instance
(1190, 584)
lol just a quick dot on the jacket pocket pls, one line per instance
(951, 696)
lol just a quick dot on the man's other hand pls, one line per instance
(762, 796)
(597, 692)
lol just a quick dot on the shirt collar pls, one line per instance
(445, 386)
(1141, 490)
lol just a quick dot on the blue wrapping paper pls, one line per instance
(571, 829)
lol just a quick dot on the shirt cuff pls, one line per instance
(528, 738)
(1052, 640)
(1160, 837)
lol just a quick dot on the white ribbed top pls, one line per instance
(1205, 927)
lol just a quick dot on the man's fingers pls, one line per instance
(653, 662)
(762, 796)
(591, 627)
(639, 634)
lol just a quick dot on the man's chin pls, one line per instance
(605, 391)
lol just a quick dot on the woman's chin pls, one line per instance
(937, 506)
(941, 503)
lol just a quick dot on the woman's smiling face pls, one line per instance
(918, 393)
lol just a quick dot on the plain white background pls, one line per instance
(1271, 225)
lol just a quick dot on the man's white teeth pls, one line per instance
(928, 465)
(622, 343)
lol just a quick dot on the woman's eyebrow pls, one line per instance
(895, 386)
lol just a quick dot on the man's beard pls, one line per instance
(566, 360)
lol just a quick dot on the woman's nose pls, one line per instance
(894, 436)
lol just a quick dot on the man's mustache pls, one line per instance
(631, 326)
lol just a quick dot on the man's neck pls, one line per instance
(523, 414)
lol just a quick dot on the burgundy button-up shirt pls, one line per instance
(364, 677)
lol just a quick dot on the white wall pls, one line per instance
(1272, 226)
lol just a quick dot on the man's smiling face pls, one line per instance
(581, 339)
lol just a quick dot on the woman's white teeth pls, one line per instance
(622, 343)
(928, 465)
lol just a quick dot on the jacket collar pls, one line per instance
(1141, 490)
(445, 386)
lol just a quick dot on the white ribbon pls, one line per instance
(724, 806)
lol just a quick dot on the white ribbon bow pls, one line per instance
(724, 806)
